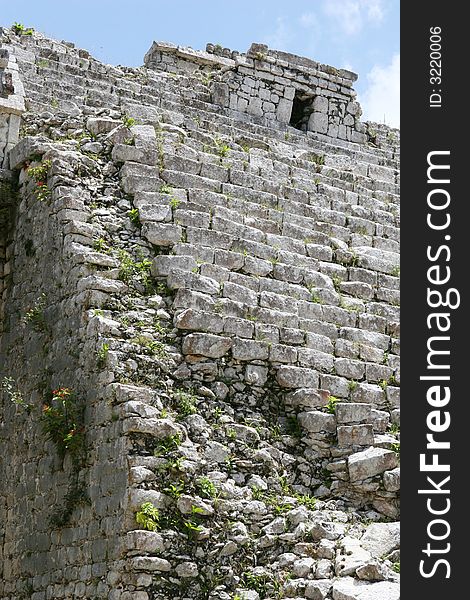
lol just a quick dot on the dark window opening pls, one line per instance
(301, 111)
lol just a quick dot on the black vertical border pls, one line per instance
(425, 129)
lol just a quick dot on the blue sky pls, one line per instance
(362, 35)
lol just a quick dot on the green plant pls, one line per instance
(148, 516)
(383, 384)
(10, 388)
(306, 500)
(166, 189)
(175, 489)
(35, 315)
(331, 406)
(174, 202)
(394, 429)
(315, 298)
(185, 403)
(392, 380)
(258, 582)
(101, 245)
(231, 434)
(396, 448)
(191, 527)
(222, 148)
(128, 121)
(396, 567)
(62, 423)
(167, 444)
(39, 174)
(352, 385)
(207, 488)
(134, 217)
(102, 354)
(153, 346)
(132, 271)
(20, 29)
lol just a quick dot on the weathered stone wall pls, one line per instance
(220, 292)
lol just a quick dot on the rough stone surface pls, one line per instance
(214, 287)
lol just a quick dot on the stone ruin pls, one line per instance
(201, 256)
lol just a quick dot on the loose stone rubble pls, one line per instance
(219, 286)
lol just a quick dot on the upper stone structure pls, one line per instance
(199, 343)
(276, 86)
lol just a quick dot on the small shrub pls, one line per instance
(134, 217)
(306, 500)
(148, 516)
(35, 315)
(20, 29)
(185, 403)
(128, 121)
(61, 422)
(166, 189)
(331, 406)
(132, 271)
(39, 174)
(102, 354)
(167, 444)
(10, 388)
(207, 488)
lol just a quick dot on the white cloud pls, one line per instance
(381, 100)
(351, 15)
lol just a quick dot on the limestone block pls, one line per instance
(206, 344)
(351, 589)
(355, 435)
(318, 122)
(150, 563)
(318, 590)
(249, 350)
(164, 263)
(357, 412)
(392, 480)
(296, 377)
(370, 462)
(123, 152)
(284, 109)
(320, 104)
(162, 234)
(100, 125)
(307, 398)
(316, 421)
(185, 505)
(381, 538)
(145, 541)
(199, 321)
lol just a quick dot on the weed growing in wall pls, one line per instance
(135, 272)
(10, 388)
(134, 217)
(102, 354)
(39, 175)
(148, 516)
(62, 423)
(331, 406)
(20, 29)
(35, 315)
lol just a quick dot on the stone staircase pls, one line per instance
(238, 282)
